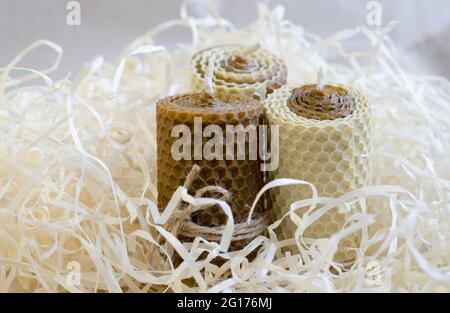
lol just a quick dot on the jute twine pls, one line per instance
(181, 224)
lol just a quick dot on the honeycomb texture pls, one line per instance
(240, 70)
(242, 178)
(329, 150)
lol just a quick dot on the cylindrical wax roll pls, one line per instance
(325, 140)
(239, 69)
(240, 176)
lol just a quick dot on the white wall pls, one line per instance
(109, 25)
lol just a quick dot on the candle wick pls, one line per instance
(251, 49)
(209, 79)
(320, 79)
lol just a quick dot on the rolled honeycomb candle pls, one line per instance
(241, 176)
(325, 140)
(238, 69)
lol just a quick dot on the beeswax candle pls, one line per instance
(238, 69)
(324, 139)
(240, 175)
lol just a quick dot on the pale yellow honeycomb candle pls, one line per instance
(324, 139)
(238, 69)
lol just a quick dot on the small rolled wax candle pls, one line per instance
(238, 69)
(229, 166)
(324, 139)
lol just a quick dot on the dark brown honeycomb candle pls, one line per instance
(242, 178)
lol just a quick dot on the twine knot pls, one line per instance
(180, 222)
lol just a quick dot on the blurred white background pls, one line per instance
(107, 26)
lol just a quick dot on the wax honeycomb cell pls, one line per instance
(242, 178)
(325, 140)
(238, 69)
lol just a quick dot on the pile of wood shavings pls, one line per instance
(77, 173)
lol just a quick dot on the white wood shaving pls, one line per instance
(77, 173)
